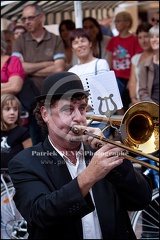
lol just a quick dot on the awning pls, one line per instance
(56, 11)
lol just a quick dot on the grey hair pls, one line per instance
(38, 9)
(154, 31)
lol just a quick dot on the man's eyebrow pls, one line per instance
(83, 105)
(71, 105)
(64, 106)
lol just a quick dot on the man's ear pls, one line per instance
(44, 113)
(43, 17)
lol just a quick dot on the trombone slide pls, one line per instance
(103, 139)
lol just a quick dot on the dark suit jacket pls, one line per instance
(52, 204)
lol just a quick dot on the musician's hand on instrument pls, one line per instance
(94, 143)
(104, 160)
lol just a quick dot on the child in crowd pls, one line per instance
(120, 49)
(14, 136)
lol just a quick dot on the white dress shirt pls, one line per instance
(90, 222)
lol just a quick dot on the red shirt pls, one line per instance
(122, 51)
(13, 68)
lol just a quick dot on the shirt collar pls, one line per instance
(79, 153)
(46, 36)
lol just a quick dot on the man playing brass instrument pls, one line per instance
(65, 187)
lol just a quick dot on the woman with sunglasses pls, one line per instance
(155, 19)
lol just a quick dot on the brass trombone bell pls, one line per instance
(141, 124)
(139, 129)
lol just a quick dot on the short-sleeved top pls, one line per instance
(122, 51)
(12, 67)
(50, 48)
(11, 143)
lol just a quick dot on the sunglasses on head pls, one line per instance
(155, 20)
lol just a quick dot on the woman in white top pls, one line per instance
(142, 33)
(88, 64)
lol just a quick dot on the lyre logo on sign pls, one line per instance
(106, 101)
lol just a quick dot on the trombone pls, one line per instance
(139, 130)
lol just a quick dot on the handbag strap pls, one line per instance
(96, 67)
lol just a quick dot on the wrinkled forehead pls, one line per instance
(71, 101)
(29, 11)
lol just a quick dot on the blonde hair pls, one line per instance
(126, 17)
(5, 100)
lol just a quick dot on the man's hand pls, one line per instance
(103, 161)
(87, 132)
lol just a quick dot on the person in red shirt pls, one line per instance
(12, 72)
(120, 50)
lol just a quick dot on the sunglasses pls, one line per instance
(155, 20)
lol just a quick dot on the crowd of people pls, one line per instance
(65, 185)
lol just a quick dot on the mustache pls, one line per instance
(76, 139)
